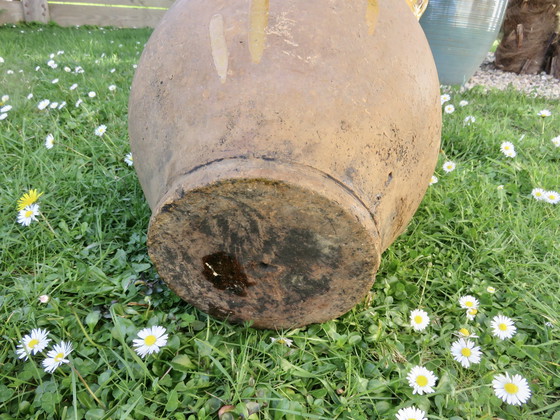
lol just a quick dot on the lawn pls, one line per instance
(76, 266)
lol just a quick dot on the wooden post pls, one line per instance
(35, 11)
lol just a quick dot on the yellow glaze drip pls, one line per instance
(258, 23)
(418, 7)
(219, 46)
(372, 15)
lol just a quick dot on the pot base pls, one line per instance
(276, 244)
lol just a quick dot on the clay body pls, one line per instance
(282, 147)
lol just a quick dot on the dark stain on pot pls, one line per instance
(166, 208)
(225, 273)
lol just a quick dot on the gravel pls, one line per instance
(533, 84)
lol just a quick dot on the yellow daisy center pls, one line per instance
(421, 380)
(551, 197)
(59, 357)
(511, 388)
(150, 340)
(469, 304)
(502, 327)
(464, 332)
(28, 213)
(33, 343)
(466, 351)
(418, 319)
(538, 194)
(506, 147)
(473, 311)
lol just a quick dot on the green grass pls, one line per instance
(87, 252)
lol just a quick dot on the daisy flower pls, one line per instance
(30, 96)
(465, 333)
(491, 289)
(32, 343)
(78, 102)
(3, 116)
(556, 141)
(74, 86)
(54, 81)
(508, 149)
(421, 380)
(6, 108)
(434, 180)
(465, 352)
(419, 319)
(5, 98)
(449, 166)
(449, 109)
(28, 215)
(513, 389)
(502, 327)
(544, 113)
(27, 199)
(1, 60)
(99, 131)
(282, 340)
(551, 197)
(92, 94)
(411, 413)
(445, 98)
(44, 298)
(67, 69)
(52, 64)
(469, 119)
(49, 141)
(468, 302)
(463, 103)
(57, 356)
(53, 105)
(500, 187)
(43, 104)
(150, 341)
(112, 88)
(471, 313)
(128, 159)
(538, 194)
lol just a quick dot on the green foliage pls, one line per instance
(87, 252)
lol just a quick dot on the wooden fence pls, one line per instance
(119, 13)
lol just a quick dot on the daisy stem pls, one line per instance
(87, 387)
(424, 286)
(49, 225)
(83, 329)
(75, 151)
(74, 394)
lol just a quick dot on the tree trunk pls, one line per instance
(530, 42)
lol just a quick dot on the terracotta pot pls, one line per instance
(282, 147)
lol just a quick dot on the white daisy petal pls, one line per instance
(150, 341)
(419, 319)
(468, 302)
(32, 343)
(502, 327)
(411, 413)
(513, 389)
(28, 214)
(465, 352)
(421, 380)
(57, 356)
